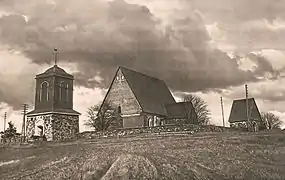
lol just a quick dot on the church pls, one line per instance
(146, 101)
(53, 115)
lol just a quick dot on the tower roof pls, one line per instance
(55, 71)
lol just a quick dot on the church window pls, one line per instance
(150, 121)
(120, 78)
(44, 92)
(119, 110)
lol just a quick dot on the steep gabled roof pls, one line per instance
(151, 93)
(238, 111)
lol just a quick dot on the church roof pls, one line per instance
(55, 70)
(180, 110)
(47, 111)
(151, 93)
(238, 111)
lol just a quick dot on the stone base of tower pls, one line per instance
(55, 127)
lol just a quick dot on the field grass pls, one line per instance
(212, 156)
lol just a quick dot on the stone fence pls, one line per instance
(190, 128)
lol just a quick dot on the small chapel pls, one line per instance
(53, 115)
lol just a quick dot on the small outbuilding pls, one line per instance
(238, 116)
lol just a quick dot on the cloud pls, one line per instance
(83, 99)
(245, 25)
(17, 79)
(99, 36)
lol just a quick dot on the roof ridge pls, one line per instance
(241, 99)
(138, 72)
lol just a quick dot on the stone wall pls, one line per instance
(65, 127)
(254, 126)
(30, 127)
(120, 94)
(134, 121)
(146, 131)
(55, 126)
(42, 120)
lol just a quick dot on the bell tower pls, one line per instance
(54, 99)
(54, 89)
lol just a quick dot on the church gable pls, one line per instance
(121, 95)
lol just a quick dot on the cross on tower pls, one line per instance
(55, 51)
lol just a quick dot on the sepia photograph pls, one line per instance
(142, 90)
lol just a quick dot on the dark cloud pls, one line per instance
(100, 36)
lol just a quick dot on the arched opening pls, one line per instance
(60, 90)
(67, 93)
(44, 92)
(119, 110)
(40, 130)
(150, 121)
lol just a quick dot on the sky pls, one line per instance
(196, 46)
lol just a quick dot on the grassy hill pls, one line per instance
(227, 155)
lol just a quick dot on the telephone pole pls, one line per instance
(246, 98)
(222, 106)
(25, 108)
(5, 118)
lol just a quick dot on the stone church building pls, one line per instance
(145, 101)
(53, 115)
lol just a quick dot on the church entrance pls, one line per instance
(40, 130)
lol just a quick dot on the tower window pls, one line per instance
(60, 90)
(67, 92)
(44, 92)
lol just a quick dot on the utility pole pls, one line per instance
(5, 118)
(25, 108)
(246, 99)
(222, 106)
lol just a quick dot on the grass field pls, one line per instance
(199, 156)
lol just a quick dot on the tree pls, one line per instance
(10, 132)
(271, 121)
(200, 107)
(102, 117)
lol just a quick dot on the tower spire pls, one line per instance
(55, 51)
